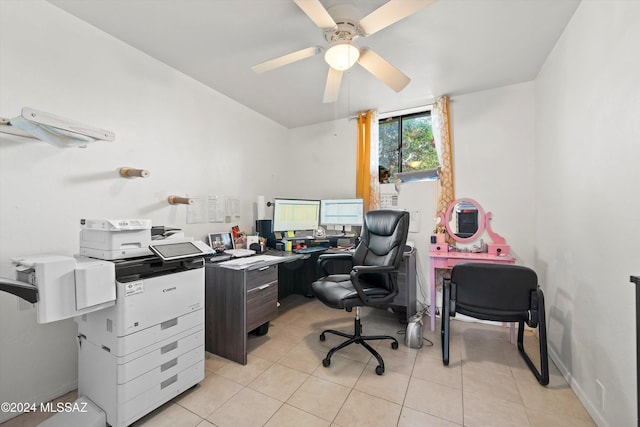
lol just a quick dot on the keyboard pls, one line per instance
(220, 258)
(310, 250)
(240, 252)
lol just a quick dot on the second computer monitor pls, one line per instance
(341, 212)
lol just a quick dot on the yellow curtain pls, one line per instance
(367, 182)
(442, 136)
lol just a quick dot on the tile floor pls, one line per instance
(284, 383)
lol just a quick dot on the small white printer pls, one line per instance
(115, 238)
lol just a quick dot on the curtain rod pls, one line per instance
(399, 112)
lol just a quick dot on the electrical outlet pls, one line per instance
(414, 221)
(601, 389)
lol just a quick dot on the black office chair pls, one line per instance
(504, 293)
(373, 280)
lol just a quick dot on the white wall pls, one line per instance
(493, 147)
(193, 140)
(588, 210)
(320, 160)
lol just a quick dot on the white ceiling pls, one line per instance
(451, 47)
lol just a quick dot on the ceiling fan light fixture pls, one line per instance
(342, 56)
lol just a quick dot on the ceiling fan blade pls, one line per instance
(316, 11)
(383, 70)
(332, 89)
(390, 13)
(286, 59)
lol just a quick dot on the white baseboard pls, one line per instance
(589, 406)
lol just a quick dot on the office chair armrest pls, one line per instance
(359, 269)
(364, 269)
(325, 259)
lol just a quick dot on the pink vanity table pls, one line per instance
(465, 221)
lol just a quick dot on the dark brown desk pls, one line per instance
(296, 277)
(238, 301)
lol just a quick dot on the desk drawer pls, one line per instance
(453, 261)
(262, 304)
(260, 276)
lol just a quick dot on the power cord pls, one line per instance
(404, 332)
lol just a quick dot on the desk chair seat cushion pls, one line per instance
(338, 292)
(337, 278)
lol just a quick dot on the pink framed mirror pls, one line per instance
(464, 220)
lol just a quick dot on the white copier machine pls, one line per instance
(140, 316)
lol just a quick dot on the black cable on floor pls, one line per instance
(403, 332)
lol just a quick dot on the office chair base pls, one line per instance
(357, 338)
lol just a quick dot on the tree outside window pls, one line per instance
(406, 144)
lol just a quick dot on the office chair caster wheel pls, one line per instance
(394, 345)
(322, 337)
(379, 370)
(327, 362)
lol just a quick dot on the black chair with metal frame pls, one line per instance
(497, 292)
(373, 280)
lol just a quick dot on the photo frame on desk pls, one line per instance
(240, 242)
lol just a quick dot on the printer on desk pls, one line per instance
(112, 239)
(115, 239)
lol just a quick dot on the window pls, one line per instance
(406, 144)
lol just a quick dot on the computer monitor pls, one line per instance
(341, 212)
(221, 241)
(296, 214)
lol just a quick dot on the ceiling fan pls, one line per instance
(341, 28)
